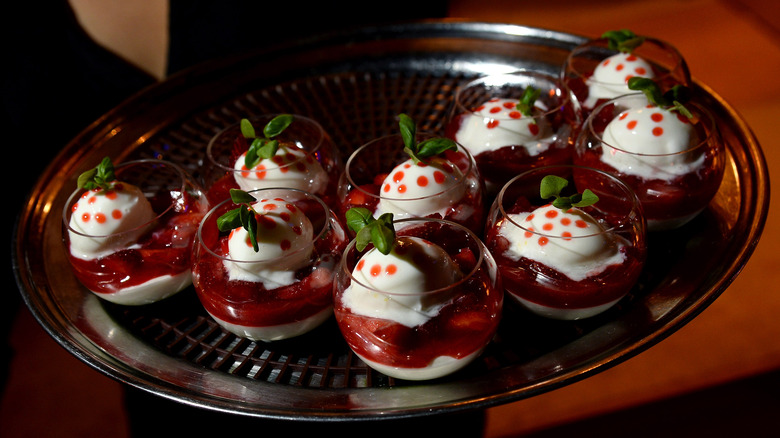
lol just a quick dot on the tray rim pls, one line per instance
(73, 340)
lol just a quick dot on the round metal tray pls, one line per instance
(355, 83)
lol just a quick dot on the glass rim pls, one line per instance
(79, 192)
(634, 199)
(562, 92)
(308, 151)
(466, 276)
(705, 119)
(467, 174)
(316, 236)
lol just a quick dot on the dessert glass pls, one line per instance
(449, 340)
(220, 175)
(156, 265)
(369, 165)
(669, 199)
(548, 291)
(248, 308)
(668, 65)
(501, 148)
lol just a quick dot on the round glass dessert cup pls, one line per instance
(653, 57)
(314, 167)
(672, 187)
(457, 321)
(374, 178)
(148, 262)
(277, 295)
(505, 142)
(567, 264)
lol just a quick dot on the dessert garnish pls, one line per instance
(528, 100)
(623, 40)
(266, 146)
(673, 99)
(98, 177)
(424, 149)
(552, 185)
(243, 216)
(379, 231)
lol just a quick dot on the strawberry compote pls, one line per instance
(152, 260)
(418, 335)
(274, 296)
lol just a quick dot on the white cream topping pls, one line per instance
(610, 77)
(571, 242)
(650, 142)
(421, 189)
(394, 286)
(109, 220)
(284, 236)
(498, 123)
(290, 168)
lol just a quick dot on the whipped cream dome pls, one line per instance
(290, 167)
(420, 189)
(571, 242)
(393, 286)
(120, 211)
(650, 142)
(498, 123)
(284, 236)
(610, 77)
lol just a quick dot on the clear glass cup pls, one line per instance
(567, 264)
(313, 162)
(286, 290)
(425, 333)
(653, 57)
(145, 262)
(503, 141)
(380, 177)
(674, 186)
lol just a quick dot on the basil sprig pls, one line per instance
(242, 216)
(266, 146)
(424, 149)
(552, 185)
(673, 99)
(379, 231)
(98, 177)
(528, 99)
(623, 40)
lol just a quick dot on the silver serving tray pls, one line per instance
(355, 82)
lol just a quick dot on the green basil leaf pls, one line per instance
(268, 149)
(247, 130)
(277, 125)
(239, 196)
(408, 132)
(435, 146)
(229, 220)
(358, 218)
(552, 185)
(587, 198)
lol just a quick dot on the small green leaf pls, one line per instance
(552, 185)
(241, 197)
(98, 177)
(528, 99)
(673, 99)
(435, 146)
(277, 125)
(229, 221)
(623, 40)
(357, 218)
(247, 130)
(408, 131)
(380, 232)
